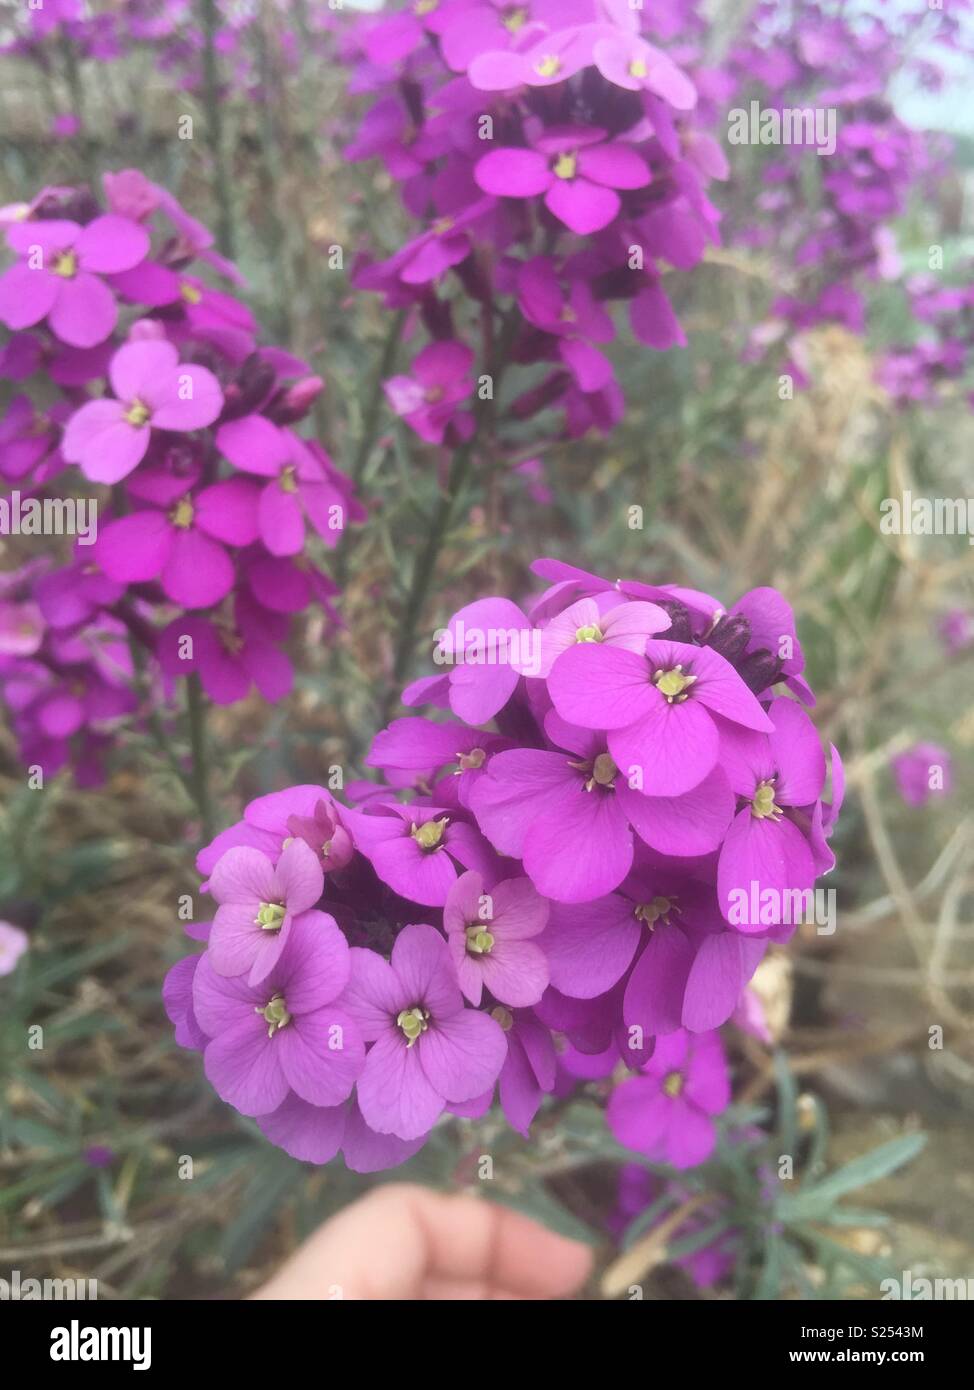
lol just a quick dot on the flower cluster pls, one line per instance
(550, 162)
(575, 871)
(830, 220)
(134, 370)
(920, 373)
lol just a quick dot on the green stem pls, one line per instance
(426, 564)
(370, 427)
(209, 22)
(196, 709)
(370, 420)
(459, 473)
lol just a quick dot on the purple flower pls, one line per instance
(316, 1133)
(666, 1111)
(21, 629)
(155, 391)
(576, 169)
(570, 815)
(230, 654)
(415, 849)
(605, 620)
(288, 1034)
(428, 1048)
(13, 944)
(528, 1073)
(258, 906)
(428, 397)
(765, 854)
(923, 771)
(57, 277)
(662, 710)
(302, 483)
(631, 62)
(490, 937)
(183, 545)
(956, 629)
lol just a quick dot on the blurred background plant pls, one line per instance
(741, 479)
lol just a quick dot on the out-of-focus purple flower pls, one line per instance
(922, 772)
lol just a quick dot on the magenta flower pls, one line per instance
(576, 169)
(183, 546)
(528, 1073)
(765, 854)
(662, 710)
(258, 906)
(482, 646)
(923, 771)
(660, 933)
(490, 937)
(666, 1111)
(576, 320)
(155, 391)
(629, 61)
(570, 815)
(428, 397)
(428, 1048)
(287, 1035)
(21, 628)
(230, 654)
(604, 620)
(26, 438)
(316, 1133)
(301, 483)
(547, 61)
(13, 944)
(956, 629)
(415, 849)
(57, 276)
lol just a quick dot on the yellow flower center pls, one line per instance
(514, 20)
(182, 514)
(589, 633)
(472, 760)
(651, 912)
(503, 1016)
(190, 293)
(65, 265)
(428, 836)
(425, 6)
(479, 940)
(565, 165)
(288, 479)
(413, 1022)
(270, 916)
(673, 1084)
(275, 1013)
(138, 414)
(762, 803)
(673, 684)
(548, 66)
(637, 68)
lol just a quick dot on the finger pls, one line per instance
(388, 1244)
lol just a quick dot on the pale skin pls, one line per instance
(406, 1242)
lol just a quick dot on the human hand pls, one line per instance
(406, 1242)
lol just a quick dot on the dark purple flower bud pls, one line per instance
(294, 403)
(730, 636)
(759, 669)
(680, 629)
(251, 386)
